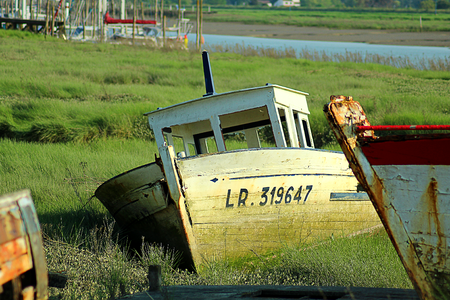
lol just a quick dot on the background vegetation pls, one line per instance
(71, 117)
(403, 20)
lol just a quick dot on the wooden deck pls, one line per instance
(274, 292)
(27, 25)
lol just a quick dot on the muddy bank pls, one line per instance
(384, 37)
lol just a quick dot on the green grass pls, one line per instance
(71, 117)
(401, 20)
(103, 269)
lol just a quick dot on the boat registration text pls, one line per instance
(271, 195)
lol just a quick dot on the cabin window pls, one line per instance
(191, 149)
(307, 136)
(282, 114)
(303, 130)
(235, 140)
(266, 136)
(247, 129)
(178, 144)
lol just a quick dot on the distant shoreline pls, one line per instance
(371, 36)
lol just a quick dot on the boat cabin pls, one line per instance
(267, 116)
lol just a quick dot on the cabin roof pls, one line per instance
(224, 103)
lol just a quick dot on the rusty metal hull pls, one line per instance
(23, 269)
(407, 179)
(139, 202)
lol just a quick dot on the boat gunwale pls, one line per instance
(258, 149)
(120, 175)
(400, 138)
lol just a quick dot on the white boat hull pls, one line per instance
(410, 190)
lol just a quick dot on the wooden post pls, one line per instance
(156, 11)
(93, 18)
(53, 17)
(197, 40)
(46, 19)
(154, 277)
(201, 23)
(142, 10)
(162, 10)
(164, 31)
(86, 11)
(134, 20)
(179, 20)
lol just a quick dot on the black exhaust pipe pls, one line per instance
(209, 82)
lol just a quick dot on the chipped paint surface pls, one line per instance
(240, 209)
(23, 269)
(412, 197)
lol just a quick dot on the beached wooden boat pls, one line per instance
(218, 191)
(23, 269)
(407, 178)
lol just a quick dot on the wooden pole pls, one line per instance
(162, 10)
(156, 11)
(53, 17)
(201, 23)
(197, 40)
(134, 20)
(93, 18)
(179, 20)
(142, 11)
(46, 19)
(164, 31)
(86, 11)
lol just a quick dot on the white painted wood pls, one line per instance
(277, 127)
(215, 124)
(251, 136)
(293, 135)
(168, 158)
(224, 192)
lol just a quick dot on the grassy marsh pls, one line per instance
(71, 116)
(402, 20)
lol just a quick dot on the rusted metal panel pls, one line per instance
(409, 190)
(23, 269)
(135, 194)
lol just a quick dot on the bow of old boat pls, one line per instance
(407, 177)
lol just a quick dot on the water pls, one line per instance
(415, 54)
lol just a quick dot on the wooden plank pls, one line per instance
(12, 249)
(11, 220)
(199, 292)
(15, 267)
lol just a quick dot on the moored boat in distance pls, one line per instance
(407, 178)
(237, 175)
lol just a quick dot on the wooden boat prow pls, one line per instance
(23, 268)
(226, 199)
(407, 179)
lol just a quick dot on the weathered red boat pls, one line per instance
(407, 178)
(23, 269)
